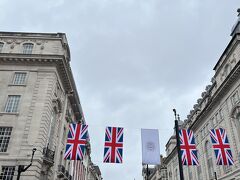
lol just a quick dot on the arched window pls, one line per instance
(209, 159)
(27, 48)
(1, 46)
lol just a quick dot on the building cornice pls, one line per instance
(170, 156)
(58, 60)
(228, 49)
(222, 89)
(63, 68)
(28, 35)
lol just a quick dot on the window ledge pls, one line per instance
(4, 153)
(9, 113)
(17, 85)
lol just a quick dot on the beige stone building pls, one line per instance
(94, 173)
(158, 172)
(38, 100)
(218, 107)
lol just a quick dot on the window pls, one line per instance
(12, 103)
(209, 159)
(7, 173)
(19, 78)
(51, 130)
(190, 173)
(199, 172)
(1, 46)
(176, 174)
(5, 133)
(27, 48)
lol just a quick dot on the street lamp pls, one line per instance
(21, 168)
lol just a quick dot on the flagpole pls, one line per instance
(178, 146)
(147, 171)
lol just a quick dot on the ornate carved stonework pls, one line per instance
(57, 105)
(235, 111)
(22, 41)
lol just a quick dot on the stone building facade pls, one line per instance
(94, 173)
(38, 100)
(219, 107)
(158, 172)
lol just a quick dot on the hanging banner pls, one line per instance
(150, 146)
(221, 147)
(113, 147)
(76, 141)
(188, 147)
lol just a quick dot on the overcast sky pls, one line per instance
(133, 61)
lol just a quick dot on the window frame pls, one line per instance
(199, 172)
(12, 109)
(209, 159)
(27, 48)
(7, 176)
(13, 83)
(5, 136)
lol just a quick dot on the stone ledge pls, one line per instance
(9, 113)
(24, 85)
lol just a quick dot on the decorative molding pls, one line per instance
(18, 41)
(235, 111)
(57, 105)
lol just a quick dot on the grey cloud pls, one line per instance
(133, 60)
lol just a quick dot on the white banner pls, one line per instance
(150, 146)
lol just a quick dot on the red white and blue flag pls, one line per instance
(188, 147)
(76, 142)
(221, 146)
(113, 148)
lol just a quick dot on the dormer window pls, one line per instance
(1, 46)
(27, 48)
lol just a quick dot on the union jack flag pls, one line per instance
(221, 146)
(76, 142)
(113, 148)
(188, 147)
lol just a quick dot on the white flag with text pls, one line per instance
(150, 146)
